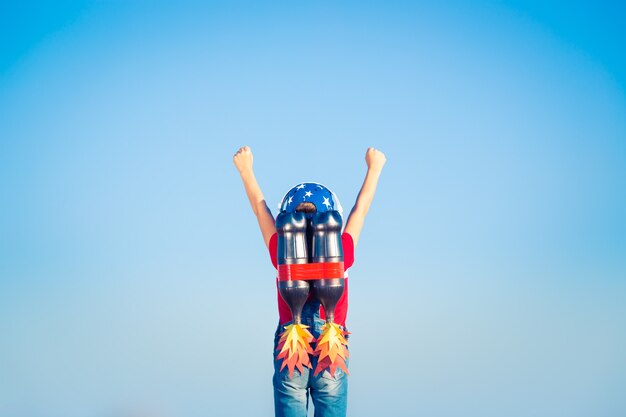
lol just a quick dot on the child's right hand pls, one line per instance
(243, 159)
(375, 159)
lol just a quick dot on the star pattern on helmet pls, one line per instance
(310, 192)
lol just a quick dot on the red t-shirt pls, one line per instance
(341, 310)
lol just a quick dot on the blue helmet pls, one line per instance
(312, 192)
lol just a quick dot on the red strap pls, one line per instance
(306, 272)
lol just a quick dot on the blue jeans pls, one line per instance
(291, 395)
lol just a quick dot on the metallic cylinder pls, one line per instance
(326, 242)
(292, 249)
(327, 247)
(292, 241)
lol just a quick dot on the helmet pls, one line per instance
(312, 192)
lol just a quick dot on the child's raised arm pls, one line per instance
(375, 160)
(243, 161)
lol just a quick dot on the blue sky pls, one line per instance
(133, 277)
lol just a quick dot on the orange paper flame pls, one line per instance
(332, 349)
(294, 346)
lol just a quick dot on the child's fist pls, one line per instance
(243, 159)
(375, 159)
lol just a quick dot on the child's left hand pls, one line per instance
(243, 159)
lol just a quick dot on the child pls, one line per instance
(329, 393)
